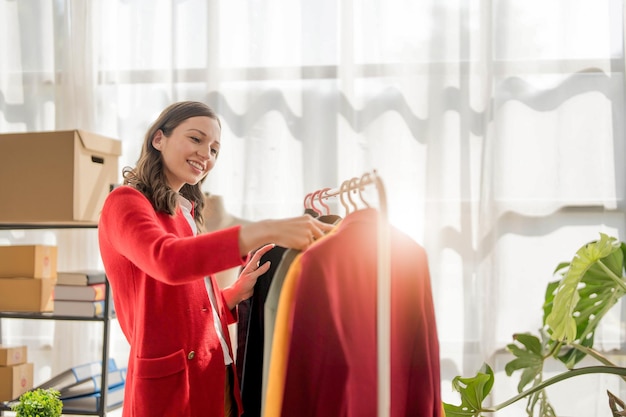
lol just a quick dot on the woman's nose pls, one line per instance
(204, 153)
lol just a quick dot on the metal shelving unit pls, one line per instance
(108, 315)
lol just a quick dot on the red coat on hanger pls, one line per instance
(331, 361)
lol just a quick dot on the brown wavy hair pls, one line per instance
(148, 176)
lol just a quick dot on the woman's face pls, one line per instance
(190, 152)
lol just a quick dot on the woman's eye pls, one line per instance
(195, 139)
(214, 151)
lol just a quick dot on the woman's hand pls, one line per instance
(296, 233)
(243, 287)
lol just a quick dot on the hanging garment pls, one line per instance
(330, 363)
(274, 390)
(251, 336)
(271, 308)
(251, 332)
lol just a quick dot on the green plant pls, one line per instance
(39, 403)
(590, 285)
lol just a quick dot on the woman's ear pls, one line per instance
(157, 139)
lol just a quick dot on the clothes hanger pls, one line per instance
(313, 196)
(342, 190)
(326, 217)
(320, 198)
(352, 182)
(308, 209)
(306, 201)
(365, 179)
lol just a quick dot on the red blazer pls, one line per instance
(156, 268)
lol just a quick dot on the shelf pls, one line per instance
(48, 225)
(109, 314)
(48, 316)
(6, 406)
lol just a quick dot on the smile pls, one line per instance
(197, 165)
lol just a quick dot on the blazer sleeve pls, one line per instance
(153, 241)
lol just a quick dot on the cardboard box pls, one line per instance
(27, 294)
(28, 261)
(15, 380)
(13, 355)
(56, 177)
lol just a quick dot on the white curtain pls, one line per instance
(497, 127)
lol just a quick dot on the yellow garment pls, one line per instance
(280, 342)
(269, 318)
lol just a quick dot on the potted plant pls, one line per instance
(39, 403)
(588, 287)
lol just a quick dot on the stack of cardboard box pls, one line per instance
(16, 373)
(27, 277)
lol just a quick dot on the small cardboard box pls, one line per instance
(27, 294)
(13, 355)
(31, 261)
(56, 177)
(15, 380)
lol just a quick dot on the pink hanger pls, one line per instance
(315, 194)
(307, 201)
(321, 197)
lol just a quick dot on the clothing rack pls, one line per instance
(383, 318)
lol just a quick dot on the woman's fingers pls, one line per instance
(258, 254)
(319, 229)
(254, 264)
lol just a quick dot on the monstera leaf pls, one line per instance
(530, 353)
(473, 392)
(528, 358)
(591, 285)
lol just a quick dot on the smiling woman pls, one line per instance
(162, 270)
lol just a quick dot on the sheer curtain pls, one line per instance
(496, 126)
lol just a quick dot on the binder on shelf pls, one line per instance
(80, 277)
(94, 292)
(90, 403)
(79, 308)
(76, 374)
(91, 385)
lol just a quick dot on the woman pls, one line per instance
(160, 269)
